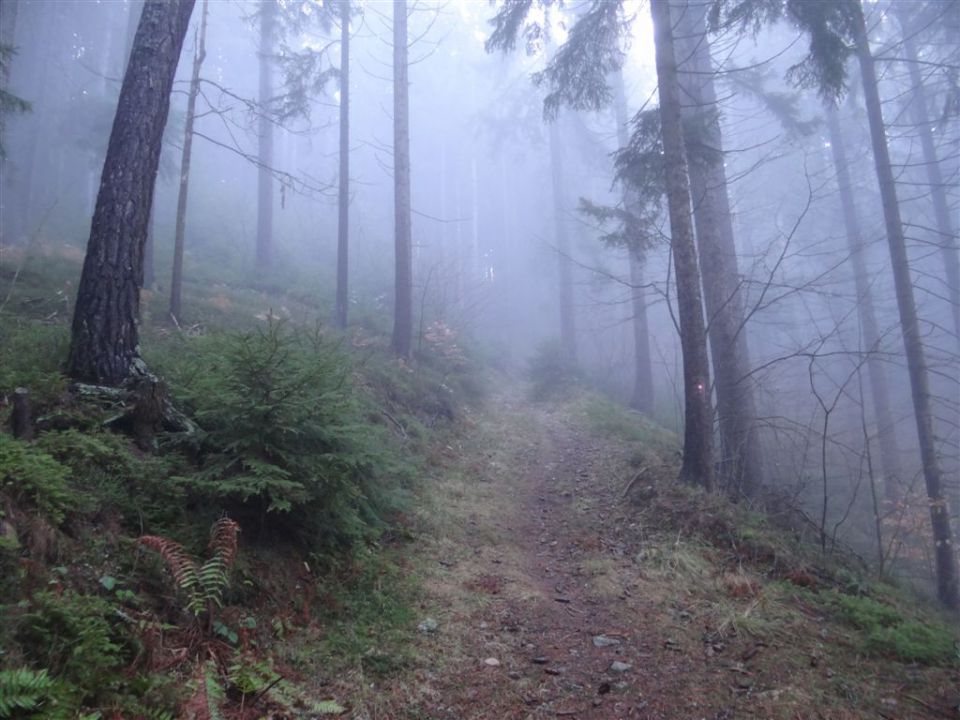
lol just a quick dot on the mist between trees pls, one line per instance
(739, 216)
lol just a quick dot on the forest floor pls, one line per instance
(547, 594)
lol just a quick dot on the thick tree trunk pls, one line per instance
(948, 589)
(343, 221)
(698, 421)
(642, 398)
(886, 432)
(938, 193)
(104, 344)
(134, 8)
(403, 289)
(742, 470)
(568, 330)
(268, 16)
(176, 281)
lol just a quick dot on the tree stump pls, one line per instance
(21, 422)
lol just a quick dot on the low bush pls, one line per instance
(283, 443)
(33, 479)
(552, 374)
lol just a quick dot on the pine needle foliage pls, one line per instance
(284, 440)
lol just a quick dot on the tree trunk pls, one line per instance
(642, 398)
(403, 304)
(568, 330)
(742, 470)
(946, 564)
(698, 425)
(343, 222)
(268, 14)
(176, 282)
(889, 451)
(921, 117)
(104, 343)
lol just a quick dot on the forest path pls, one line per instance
(543, 593)
(529, 583)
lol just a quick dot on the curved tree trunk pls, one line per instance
(268, 13)
(742, 466)
(642, 398)
(403, 288)
(104, 342)
(343, 222)
(176, 282)
(948, 589)
(698, 423)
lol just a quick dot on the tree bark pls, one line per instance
(176, 282)
(948, 589)
(403, 288)
(698, 425)
(264, 254)
(889, 450)
(21, 417)
(343, 221)
(921, 117)
(104, 344)
(742, 470)
(642, 398)
(568, 330)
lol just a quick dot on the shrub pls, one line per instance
(282, 433)
(33, 478)
(110, 478)
(551, 373)
(31, 355)
(77, 637)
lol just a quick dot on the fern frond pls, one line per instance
(223, 540)
(181, 566)
(204, 704)
(22, 689)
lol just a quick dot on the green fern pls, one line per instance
(202, 584)
(22, 690)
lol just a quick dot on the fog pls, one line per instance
(498, 230)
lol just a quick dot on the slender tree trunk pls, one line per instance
(343, 222)
(642, 398)
(921, 117)
(8, 24)
(742, 466)
(948, 589)
(698, 422)
(104, 343)
(568, 330)
(889, 450)
(176, 281)
(268, 14)
(403, 289)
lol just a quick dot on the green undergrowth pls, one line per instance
(117, 600)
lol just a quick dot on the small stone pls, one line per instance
(620, 667)
(491, 662)
(428, 625)
(514, 675)
(602, 641)
(540, 660)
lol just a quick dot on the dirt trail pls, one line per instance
(568, 637)
(552, 599)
